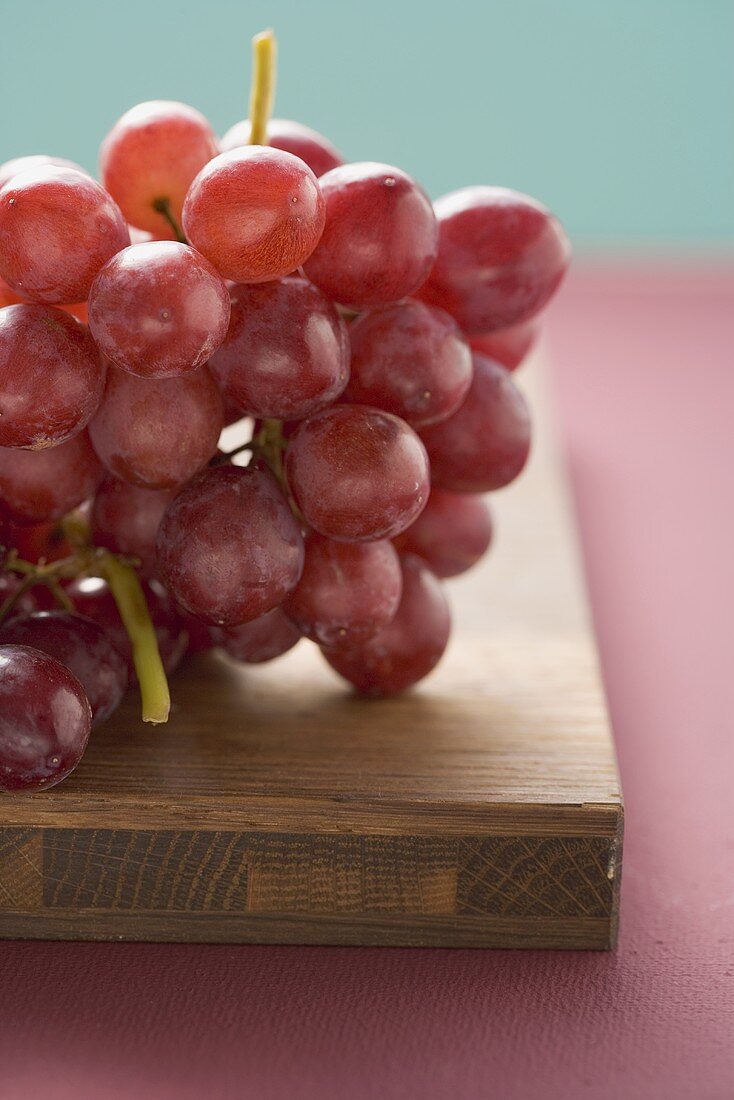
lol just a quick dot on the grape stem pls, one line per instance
(128, 595)
(270, 445)
(264, 52)
(163, 206)
(131, 604)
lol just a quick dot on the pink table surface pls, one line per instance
(645, 388)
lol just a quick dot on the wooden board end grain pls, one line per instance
(482, 810)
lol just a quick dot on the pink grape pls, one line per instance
(156, 433)
(150, 157)
(508, 346)
(380, 239)
(451, 534)
(256, 213)
(125, 519)
(347, 592)
(58, 227)
(229, 547)
(262, 639)
(357, 473)
(159, 309)
(51, 378)
(82, 646)
(37, 160)
(92, 598)
(501, 257)
(286, 353)
(45, 719)
(486, 443)
(409, 647)
(36, 486)
(292, 137)
(411, 360)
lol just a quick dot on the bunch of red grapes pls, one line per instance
(365, 337)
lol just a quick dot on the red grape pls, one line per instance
(45, 720)
(347, 591)
(125, 519)
(92, 598)
(156, 433)
(150, 157)
(380, 239)
(286, 353)
(508, 346)
(158, 309)
(40, 542)
(406, 650)
(357, 473)
(411, 360)
(37, 160)
(9, 585)
(451, 534)
(40, 485)
(501, 256)
(229, 547)
(58, 227)
(83, 646)
(256, 213)
(51, 378)
(8, 297)
(260, 640)
(486, 443)
(292, 137)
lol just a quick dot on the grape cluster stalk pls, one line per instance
(358, 340)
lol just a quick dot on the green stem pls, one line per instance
(270, 445)
(130, 600)
(264, 52)
(163, 207)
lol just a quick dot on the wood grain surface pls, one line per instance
(483, 809)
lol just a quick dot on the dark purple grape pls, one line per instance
(347, 592)
(83, 646)
(411, 360)
(451, 534)
(357, 473)
(486, 443)
(229, 547)
(406, 650)
(45, 719)
(260, 640)
(286, 353)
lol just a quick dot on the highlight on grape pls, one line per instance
(362, 338)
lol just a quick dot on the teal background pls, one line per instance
(617, 113)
